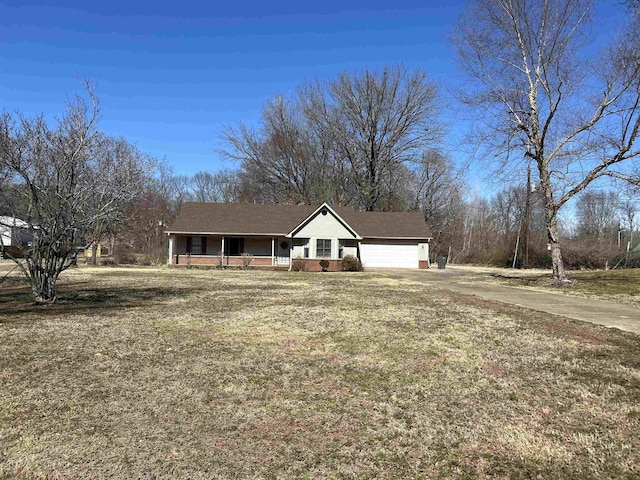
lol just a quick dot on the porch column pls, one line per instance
(273, 251)
(222, 248)
(171, 237)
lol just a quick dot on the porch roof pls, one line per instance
(239, 218)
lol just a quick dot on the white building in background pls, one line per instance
(14, 232)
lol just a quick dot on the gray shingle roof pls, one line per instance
(279, 219)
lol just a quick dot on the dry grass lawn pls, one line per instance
(150, 373)
(619, 286)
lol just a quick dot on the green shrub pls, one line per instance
(324, 264)
(351, 264)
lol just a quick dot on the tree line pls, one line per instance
(505, 229)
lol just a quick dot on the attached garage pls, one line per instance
(389, 254)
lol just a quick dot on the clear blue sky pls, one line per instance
(171, 75)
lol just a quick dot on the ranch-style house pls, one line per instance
(274, 235)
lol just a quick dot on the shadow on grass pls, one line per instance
(597, 282)
(542, 279)
(17, 299)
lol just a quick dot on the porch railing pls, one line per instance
(231, 260)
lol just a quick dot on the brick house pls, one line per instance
(273, 235)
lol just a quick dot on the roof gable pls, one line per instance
(324, 222)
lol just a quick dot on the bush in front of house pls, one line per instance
(298, 265)
(246, 260)
(324, 264)
(351, 264)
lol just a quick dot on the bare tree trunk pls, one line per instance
(94, 253)
(551, 220)
(559, 274)
(43, 285)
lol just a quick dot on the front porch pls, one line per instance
(229, 251)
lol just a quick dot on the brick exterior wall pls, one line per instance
(313, 264)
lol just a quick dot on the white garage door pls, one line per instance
(389, 255)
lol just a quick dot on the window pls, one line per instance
(342, 244)
(323, 248)
(196, 245)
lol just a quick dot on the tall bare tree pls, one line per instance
(220, 187)
(346, 141)
(280, 161)
(436, 181)
(547, 98)
(376, 122)
(70, 179)
(597, 214)
(437, 192)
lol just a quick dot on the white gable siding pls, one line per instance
(5, 235)
(324, 226)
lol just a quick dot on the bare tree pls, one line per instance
(279, 162)
(545, 98)
(376, 121)
(629, 208)
(435, 181)
(479, 237)
(220, 187)
(437, 192)
(347, 141)
(172, 188)
(72, 180)
(597, 214)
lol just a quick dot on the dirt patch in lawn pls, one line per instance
(205, 374)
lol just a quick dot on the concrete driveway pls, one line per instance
(468, 282)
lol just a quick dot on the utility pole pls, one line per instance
(527, 219)
(515, 252)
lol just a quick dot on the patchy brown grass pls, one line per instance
(621, 286)
(143, 373)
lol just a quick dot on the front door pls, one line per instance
(284, 251)
(234, 246)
